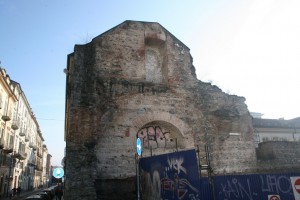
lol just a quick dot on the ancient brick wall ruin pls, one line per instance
(278, 156)
(138, 80)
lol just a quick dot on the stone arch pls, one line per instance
(162, 133)
(147, 117)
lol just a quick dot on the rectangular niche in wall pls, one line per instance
(155, 60)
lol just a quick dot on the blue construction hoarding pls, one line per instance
(175, 176)
(258, 187)
(170, 176)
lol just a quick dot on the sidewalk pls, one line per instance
(22, 195)
(26, 194)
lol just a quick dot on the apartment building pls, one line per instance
(46, 166)
(8, 99)
(21, 146)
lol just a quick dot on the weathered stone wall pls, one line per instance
(278, 156)
(225, 114)
(137, 80)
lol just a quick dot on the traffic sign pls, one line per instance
(58, 172)
(296, 186)
(138, 146)
(273, 197)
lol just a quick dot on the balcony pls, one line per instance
(6, 117)
(7, 150)
(15, 125)
(20, 155)
(23, 132)
(31, 145)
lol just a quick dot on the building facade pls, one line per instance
(277, 144)
(22, 149)
(276, 129)
(8, 99)
(46, 166)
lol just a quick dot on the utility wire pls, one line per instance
(50, 119)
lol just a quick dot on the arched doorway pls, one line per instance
(159, 137)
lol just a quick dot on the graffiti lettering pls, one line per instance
(276, 184)
(172, 181)
(156, 184)
(170, 176)
(178, 187)
(239, 188)
(234, 189)
(154, 136)
(176, 163)
(151, 185)
(194, 197)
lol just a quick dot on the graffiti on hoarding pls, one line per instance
(252, 187)
(151, 185)
(178, 187)
(234, 189)
(176, 164)
(276, 184)
(194, 197)
(170, 176)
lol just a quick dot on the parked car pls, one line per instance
(50, 192)
(52, 189)
(34, 197)
(44, 195)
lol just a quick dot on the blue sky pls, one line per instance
(250, 48)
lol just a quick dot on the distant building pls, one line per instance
(256, 114)
(276, 129)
